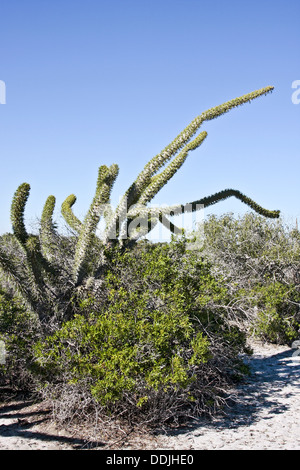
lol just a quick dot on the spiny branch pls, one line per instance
(17, 212)
(145, 183)
(202, 203)
(105, 181)
(67, 213)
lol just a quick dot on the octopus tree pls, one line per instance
(32, 265)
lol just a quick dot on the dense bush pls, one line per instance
(159, 335)
(19, 331)
(259, 261)
(155, 346)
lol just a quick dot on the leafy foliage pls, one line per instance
(20, 331)
(259, 261)
(159, 337)
(156, 332)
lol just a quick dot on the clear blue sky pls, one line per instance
(114, 81)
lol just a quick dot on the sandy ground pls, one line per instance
(266, 417)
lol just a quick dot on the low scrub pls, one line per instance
(155, 348)
(19, 331)
(259, 261)
(159, 336)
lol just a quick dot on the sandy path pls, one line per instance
(267, 416)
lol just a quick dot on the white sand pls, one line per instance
(267, 416)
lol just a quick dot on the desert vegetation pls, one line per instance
(115, 328)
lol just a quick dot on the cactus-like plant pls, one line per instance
(40, 258)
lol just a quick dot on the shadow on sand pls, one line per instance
(261, 391)
(24, 420)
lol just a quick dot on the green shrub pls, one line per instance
(278, 318)
(157, 343)
(259, 261)
(19, 331)
(121, 349)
